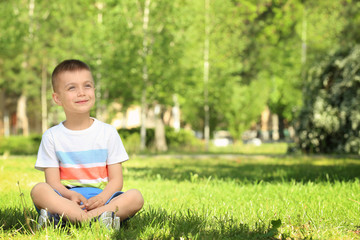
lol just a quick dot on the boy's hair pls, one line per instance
(67, 65)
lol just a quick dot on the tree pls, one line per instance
(145, 75)
(162, 48)
(227, 60)
(11, 47)
(330, 118)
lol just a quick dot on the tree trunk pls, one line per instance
(44, 112)
(275, 127)
(6, 124)
(281, 126)
(100, 107)
(303, 47)
(2, 112)
(145, 76)
(206, 77)
(22, 125)
(265, 115)
(176, 113)
(160, 140)
(22, 122)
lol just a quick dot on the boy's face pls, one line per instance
(75, 91)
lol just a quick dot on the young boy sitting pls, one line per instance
(81, 158)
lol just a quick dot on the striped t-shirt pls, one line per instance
(81, 156)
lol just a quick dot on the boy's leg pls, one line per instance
(125, 205)
(44, 197)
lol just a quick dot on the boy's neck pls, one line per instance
(78, 122)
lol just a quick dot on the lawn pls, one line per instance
(210, 197)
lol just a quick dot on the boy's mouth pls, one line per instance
(82, 101)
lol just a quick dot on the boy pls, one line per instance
(81, 158)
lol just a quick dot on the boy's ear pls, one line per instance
(56, 98)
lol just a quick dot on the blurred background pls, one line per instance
(188, 75)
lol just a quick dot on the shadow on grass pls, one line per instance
(12, 219)
(159, 224)
(281, 170)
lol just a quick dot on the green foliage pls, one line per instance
(20, 145)
(244, 105)
(350, 35)
(183, 140)
(132, 143)
(132, 135)
(330, 118)
(255, 53)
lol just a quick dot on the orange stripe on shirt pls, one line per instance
(83, 173)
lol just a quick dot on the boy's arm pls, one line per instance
(52, 177)
(115, 184)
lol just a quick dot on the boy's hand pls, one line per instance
(78, 198)
(94, 202)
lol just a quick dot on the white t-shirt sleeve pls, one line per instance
(46, 155)
(116, 149)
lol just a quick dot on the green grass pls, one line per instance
(205, 197)
(250, 149)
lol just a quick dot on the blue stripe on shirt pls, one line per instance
(83, 157)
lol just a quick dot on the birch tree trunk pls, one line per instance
(206, 76)
(176, 113)
(22, 125)
(6, 124)
(144, 76)
(100, 107)
(303, 45)
(160, 140)
(44, 112)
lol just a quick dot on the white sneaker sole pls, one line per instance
(110, 220)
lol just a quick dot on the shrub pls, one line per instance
(132, 143)
(125, 133)
(20, 145)
(330, 118)
(183, 140)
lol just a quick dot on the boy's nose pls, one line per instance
(81, 92)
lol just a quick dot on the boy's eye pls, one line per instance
(88, 86)
(71, 88)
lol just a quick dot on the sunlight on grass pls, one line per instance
(265, 148)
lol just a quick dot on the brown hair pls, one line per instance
(67, 65)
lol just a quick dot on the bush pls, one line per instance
(132, 143)
(20, 145)
(182, 140)
(126, 133)
(329, 121)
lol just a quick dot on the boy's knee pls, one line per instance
(138, 199)
(38, 188)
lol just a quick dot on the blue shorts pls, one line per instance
(88, 192)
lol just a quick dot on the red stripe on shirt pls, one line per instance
(83, 173)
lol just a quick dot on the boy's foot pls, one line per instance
(45, 218)
(110, 220)
(116, 223)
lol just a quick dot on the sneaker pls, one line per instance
(116, 223)
(109, 220)
(45, 218)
